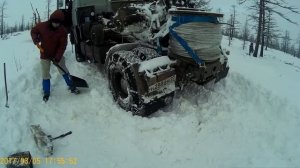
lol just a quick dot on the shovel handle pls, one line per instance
(58, 66)
(61, 136)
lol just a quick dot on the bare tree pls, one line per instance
(228, 29)
(263, 28)
(245, 33)
(292, 50)
(232, 26)
(286, 40)
(233, 21)
(298, 50)
(22, 26)
(2, 16)
(5, 29)
(34, 17)
(28, 26)
(275, 43)
(271, 29)
(259, 27)
(273, 6)
(48, 8)
(268, 18)
(256, 17)
(15, 29)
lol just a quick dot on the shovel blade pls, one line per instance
(78, 82)
(42, 140)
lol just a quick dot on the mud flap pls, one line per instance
(157, 104)
(222, 74)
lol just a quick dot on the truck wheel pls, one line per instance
(122, 82)
(78, 55)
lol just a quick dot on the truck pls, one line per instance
(149, 49)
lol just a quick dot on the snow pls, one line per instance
(250, 119)
(154, 63)
(271, 72)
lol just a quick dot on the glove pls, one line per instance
(40, 48)
(36, 41)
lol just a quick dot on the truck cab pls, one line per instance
(84, 9)
(91, 27)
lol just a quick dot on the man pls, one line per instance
(251, 49)
(51, 38)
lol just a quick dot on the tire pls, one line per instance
(122, 82)
(78, 54)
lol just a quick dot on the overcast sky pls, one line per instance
(16, 8)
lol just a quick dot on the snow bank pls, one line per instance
(277, 72)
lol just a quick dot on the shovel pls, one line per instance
(44, 141)
(77, 82)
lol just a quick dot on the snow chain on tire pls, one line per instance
(118, 68)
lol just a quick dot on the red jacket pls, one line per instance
(53, 41)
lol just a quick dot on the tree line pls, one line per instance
(23, 25)
(5, 28)
(267, 34)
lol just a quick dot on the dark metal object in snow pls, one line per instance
(5, 82)
(20, 160)
(44, 141)
(61, 136)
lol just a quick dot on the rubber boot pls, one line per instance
(69, 82)
(46, 89)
